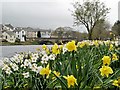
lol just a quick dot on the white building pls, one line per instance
(8, 27)
(30, 32)
(45, 33)
(0, 32)
(34, 33)
(9, 36)
(20, 34)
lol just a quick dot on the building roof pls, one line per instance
(45, 30)
(10, 33)
(28, 29)
(9, 25)
(18, 29)
(35, 29)
(31, 29)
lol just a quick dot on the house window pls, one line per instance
(18, 35)
(6, 37)
(22, 31)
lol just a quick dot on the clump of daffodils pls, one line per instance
(26, 75)
(7, 69)
(106, 70)
(14, 66)
(44, 59)
(54, 67)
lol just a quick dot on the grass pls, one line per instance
(30, 42)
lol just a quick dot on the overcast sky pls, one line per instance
(45, 13)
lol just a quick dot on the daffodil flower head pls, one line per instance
(45, 71)
(56, 74)
(96, 43)
(106, 70)
(44, 47)
(111, 47)
(106, 60)
(81, 44)
(116, 83)
(61, 47)
(26, 75)
(71, 80)
(114, 57)
(55, 49)
(71, 46)
(47, 51)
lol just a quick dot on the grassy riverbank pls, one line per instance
(30, 42)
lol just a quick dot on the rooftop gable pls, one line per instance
(9, 25)
(10, 33)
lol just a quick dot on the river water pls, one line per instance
(8, 51)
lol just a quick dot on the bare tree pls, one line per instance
(89, 13)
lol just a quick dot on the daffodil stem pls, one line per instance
(61, 81)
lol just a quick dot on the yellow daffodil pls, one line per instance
(45, 71)
(61, 47)
(81, 45)
(71, 46)
(71, 80)
(106, 70)
(96, 43)
(111, 47)
(56, 73)
(55, 49)
(116, 83)
(114, 57)
(106, 60)
(44, 47)
(47, 51)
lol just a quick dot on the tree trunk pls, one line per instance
(90, 35)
